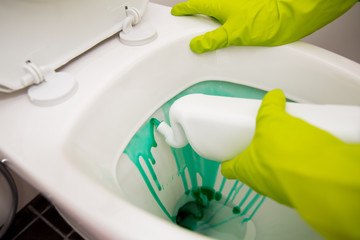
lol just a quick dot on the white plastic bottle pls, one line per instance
(219, 128)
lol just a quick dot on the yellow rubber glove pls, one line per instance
(303, 167)
(260, 22)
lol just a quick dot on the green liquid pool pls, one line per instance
(201, 208)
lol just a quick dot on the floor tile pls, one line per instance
(75, 236)
(22, 219)
(39, 220)
(39, 230)
(57, 221)
(40, 203)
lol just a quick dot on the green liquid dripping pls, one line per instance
(204, 203)
(140, 146)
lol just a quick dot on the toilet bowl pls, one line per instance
(77, 152)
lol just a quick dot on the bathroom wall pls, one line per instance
(341, 36)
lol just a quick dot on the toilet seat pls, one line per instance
(43, 36)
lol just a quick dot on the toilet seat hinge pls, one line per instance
(132, 18)
(138, 35)
(48, 88)
(35, 74)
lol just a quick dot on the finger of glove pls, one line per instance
(210, 41)
(243, 169)
(238, 167)
(228, 169)
(273, 101)
(187, 8)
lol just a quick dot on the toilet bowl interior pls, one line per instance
(181, 186)
(129, 98)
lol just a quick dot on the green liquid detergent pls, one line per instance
(210, 204)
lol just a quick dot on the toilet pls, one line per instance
(80, 146)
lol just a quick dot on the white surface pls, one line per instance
(220, 128)
(70, 151)
(51, 33)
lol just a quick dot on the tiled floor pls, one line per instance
(39, 220)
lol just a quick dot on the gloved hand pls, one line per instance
(261, 22)
(303, 167)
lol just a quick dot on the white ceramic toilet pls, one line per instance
(74, 147)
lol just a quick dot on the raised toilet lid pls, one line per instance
(50, 33)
